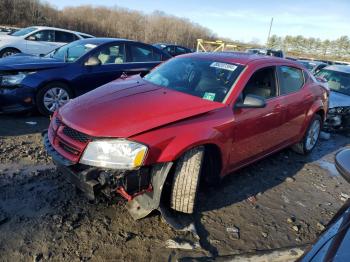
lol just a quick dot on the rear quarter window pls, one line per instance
(64, 37)
(291, 79)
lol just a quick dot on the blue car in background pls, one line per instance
(49, 81)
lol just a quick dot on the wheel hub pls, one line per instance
(313, 134)
(55, 97)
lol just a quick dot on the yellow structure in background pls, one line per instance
(215, 46)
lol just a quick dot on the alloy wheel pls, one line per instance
(313, 134)
(8, 53)
(54, 98)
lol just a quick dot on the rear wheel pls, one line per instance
(52, 96)
(186, 180)
(311, 137)
(8, 52)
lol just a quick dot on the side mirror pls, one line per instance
(31, 38)
(342, 163)
(252, 101)
(92, 61)
(42, 55)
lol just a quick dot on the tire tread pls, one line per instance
(186, 180)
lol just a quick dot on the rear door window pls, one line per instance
(64, 37)
(140, 53)
(291, 79)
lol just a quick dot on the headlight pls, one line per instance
(12, 80)
(115, 154)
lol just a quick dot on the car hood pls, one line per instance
(28, 62)
(124, 108)
(337, 99)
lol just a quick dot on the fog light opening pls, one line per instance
(28, 100)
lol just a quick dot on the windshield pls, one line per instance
(208, 79)
(337, 81)
(23, 31)
(71, 52)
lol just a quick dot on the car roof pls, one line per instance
(61, 29)
(242, 58)
(339, 68)
(312, 61)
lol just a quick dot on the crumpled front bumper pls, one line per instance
(94, 181)
(84, 180)
(16, 99)
(338, 119)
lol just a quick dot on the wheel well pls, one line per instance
(210, 173)
(211, 169)
(212, 165)
(321, 113)
(14, 48)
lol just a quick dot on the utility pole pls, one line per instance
(268, 36)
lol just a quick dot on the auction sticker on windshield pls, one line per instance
(224, 66)
(209, 96)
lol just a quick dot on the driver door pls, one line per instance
(41, 42)
(112, 58)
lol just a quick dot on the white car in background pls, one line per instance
(37, 40)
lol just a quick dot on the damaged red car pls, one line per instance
(192, 120)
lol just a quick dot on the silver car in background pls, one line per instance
(338, 79)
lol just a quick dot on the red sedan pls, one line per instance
(197, 117)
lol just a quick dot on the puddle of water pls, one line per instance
(24, 169)
(324, 164)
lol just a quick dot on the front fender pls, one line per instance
(168, 143)
(10, 45)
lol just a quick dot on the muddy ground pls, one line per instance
(282, 201)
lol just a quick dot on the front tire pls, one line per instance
(308, 143)
(186, 180)
(52, 96)
(8, 52)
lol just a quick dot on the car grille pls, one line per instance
(76, 135)
(69, 149)
(69, 142)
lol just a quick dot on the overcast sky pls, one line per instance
(247, 20)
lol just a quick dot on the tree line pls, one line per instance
(107, 22)
(338, 49)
